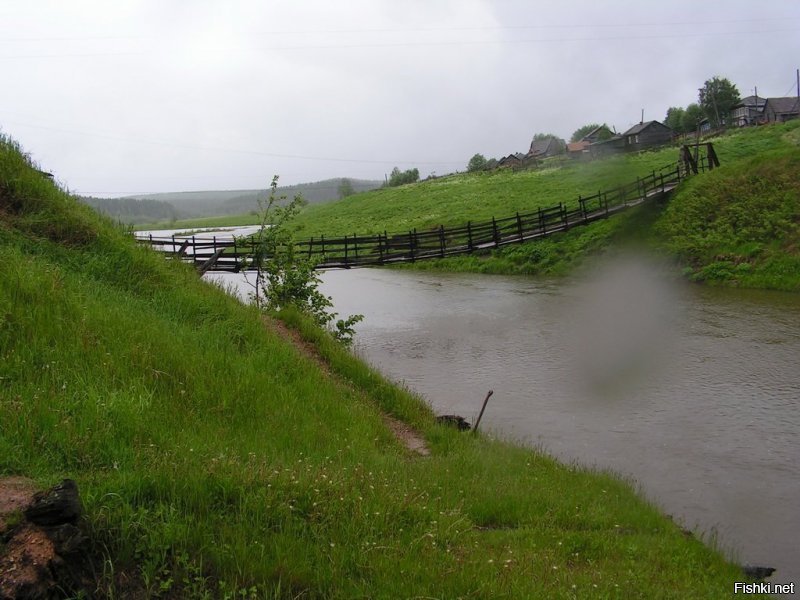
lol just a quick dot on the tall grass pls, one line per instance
(216, 460)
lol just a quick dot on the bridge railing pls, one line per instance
(438, 242)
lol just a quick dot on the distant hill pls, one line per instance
(133, 210)
(228, 202)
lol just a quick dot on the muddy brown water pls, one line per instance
(691, 392)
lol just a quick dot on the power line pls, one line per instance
(659, 24)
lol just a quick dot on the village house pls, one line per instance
(778, 110)
(580, 148)
(546, 147)
(646, 135)
(748, 111)
(512, 160)
(639, 137)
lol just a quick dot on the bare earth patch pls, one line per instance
(15, 494)
(404, 433)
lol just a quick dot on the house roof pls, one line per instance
(516, 156)
(597, 129)
(752, 101)
(540, 146)
(639, 127)
(784, 105)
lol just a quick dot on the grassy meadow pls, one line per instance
(752, 242)
(217, 460)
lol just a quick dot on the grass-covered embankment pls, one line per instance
(217, 460)
(740, 225)
(768, 196)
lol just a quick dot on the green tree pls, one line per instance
(285, 278)
(476, 163)
(692, 117)
(397, 177)
(345, 188)
(717, 97)
(675, 119)
(582, 131)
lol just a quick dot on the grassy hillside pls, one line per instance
(757, 255)
(210, 204)
(741, 224)
(217, 460)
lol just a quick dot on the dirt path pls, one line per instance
(411, 439)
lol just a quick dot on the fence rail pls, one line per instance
(352, 251)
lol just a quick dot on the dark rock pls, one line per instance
(757, 573)
(56, 506)
(459, 423)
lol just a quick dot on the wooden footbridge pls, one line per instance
(235, 255)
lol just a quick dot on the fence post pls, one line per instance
(603, 200)
(380, 249)
(582, 204)
(469, 235)
(345, 250)
(355, 246)
(495, 233)
(519, 226)
(564, 217)
(235, 257)
(441, 240)
(310, 244)
(542, 226)
(411, 239)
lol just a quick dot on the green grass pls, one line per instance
(740, 225)
(762, 257)
(198, 222)
(217, 460)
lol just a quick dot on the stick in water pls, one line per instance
(483, 408)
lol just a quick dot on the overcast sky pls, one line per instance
(125, 96)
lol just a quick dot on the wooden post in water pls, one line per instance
(483, 408)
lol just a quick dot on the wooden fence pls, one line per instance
(351, 251)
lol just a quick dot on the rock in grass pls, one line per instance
(56, 506)
(459, 423)
(757, 573)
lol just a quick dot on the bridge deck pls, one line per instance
(234, 255)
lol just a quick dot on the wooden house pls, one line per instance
(545, 147)
(647, 135)
(512, 160)
(747, 111)
(778, 110)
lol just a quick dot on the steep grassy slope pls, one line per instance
(216, 460)
(765, 255)
(453, 200)
(741, 224)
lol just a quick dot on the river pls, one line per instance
(689, 392)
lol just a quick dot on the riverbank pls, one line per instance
(215, 459)
(696, 231)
